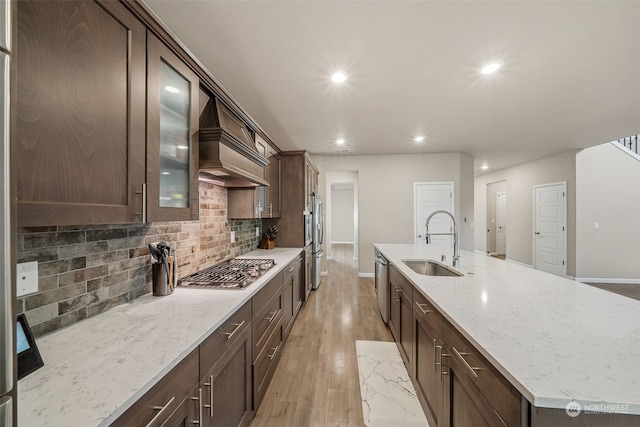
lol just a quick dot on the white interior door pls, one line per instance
(501, 226)
(550, 237)
(429, 197)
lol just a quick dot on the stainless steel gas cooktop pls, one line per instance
(236, 273)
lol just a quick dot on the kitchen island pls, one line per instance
(557, 341)
(96, 369)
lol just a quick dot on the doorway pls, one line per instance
(429, 197)
(497, 219)
(341, 210)
(550, 228)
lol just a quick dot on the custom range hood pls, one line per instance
(228, 156)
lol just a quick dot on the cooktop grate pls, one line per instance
(236, 273)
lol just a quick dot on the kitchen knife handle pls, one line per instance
(238, 326)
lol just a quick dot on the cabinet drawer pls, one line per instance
(396, 277)
(260, 299)
(266, 363)
(265, 322)
(502, 396)
(290, 269)
(165, 397)
(427, 312)
(219, 341)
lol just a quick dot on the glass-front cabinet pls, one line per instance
(172, 136)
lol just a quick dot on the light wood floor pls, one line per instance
(627, 290)
(316, 382)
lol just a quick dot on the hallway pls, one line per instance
(316, 382)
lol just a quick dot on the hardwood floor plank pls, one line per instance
(316, 382)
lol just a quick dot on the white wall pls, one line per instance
(609, 196)
(385, 195)
(342, 210)
(520, 181)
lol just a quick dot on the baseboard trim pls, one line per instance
(334, 242)
(478, 251)
(519, 263)
(366, 275)
(608, 280)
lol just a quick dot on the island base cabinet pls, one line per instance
(427, 377)
(464, 405)
(549, 417)
(227, 387)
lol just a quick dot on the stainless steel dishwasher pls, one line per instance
(382, 285)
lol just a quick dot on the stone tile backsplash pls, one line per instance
(85, 270)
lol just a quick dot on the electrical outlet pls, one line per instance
(233, 236)
(27, 278)
(257, 231)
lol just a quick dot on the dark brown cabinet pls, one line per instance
(427, 365)
(106, 118)
(225, 371)
(172, 135)
(79, 138)
(174, 394)
(401, 313)
(292, 292)
(270, 196)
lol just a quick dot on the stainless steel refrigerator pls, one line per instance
(7, 315)
(318, 235)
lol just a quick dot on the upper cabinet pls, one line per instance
(172, 139)
(106, 118)
(79, 108)
(270, 196)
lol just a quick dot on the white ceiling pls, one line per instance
(570, 79)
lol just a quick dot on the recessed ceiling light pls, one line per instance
(171, 89)
(339, 77)
(340, 141)
(491, 68)
(484, 167)
(418, 138)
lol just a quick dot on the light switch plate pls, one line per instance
(27, 278)
(233, 236)
(257, 231)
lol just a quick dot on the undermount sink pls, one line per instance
(429, 267)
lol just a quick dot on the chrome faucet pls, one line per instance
(456, 250)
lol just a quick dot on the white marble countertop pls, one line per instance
(554, 339)
(95, 369)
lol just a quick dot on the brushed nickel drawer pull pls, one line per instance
(500, 418)
(443, 355)
(422, 308)
(161, 409)
(275, 350)
(210, 385)
(199, 399)
(273, 316)
(238, 326)
(435, 355)
(465, 363)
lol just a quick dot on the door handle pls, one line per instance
(537, 232)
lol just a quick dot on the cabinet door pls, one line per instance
(244, 203)
(430, 386)
(406, 329)
(227, 387)
(79, 138)
(188, 413)
(394, 311)
(464, 405)
(172, 142)
(273, 195)
(289, 302)
(298, 292)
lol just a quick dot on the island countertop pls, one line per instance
(556, 340)
(95, 369)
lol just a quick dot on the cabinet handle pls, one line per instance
(275, 350)
(161, 409)
(270, 210)
(422, 308)
(442, 356)
(238, 326)
(435, 355)
(292, 268)
(465, 363)
(398, 298)
(500, 418)
(199, 399)
(210, 385)
(273, 316)
(144, 202)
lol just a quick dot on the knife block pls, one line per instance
(267, 243)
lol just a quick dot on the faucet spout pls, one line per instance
(456, 249)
